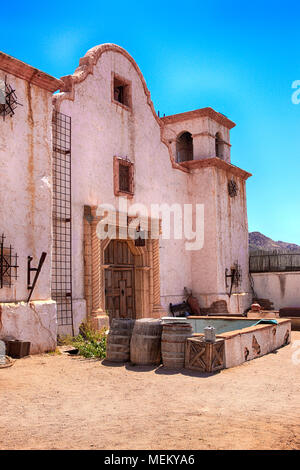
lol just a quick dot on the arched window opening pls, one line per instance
(219, 146)
(184, 147)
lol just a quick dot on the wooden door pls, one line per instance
(119, 280)
(119, 292)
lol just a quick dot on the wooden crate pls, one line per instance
(17, 349)
(203, 356)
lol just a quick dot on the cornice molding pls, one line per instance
(202, 112)
(216, 163)
(32, 75)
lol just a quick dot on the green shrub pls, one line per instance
(89, 342)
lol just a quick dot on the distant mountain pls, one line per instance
(258, 241)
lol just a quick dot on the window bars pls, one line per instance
(8, 99)
(8, 264)
(62, 222)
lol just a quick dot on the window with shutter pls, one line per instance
(121, 91)
(124, 184)
(123, 177)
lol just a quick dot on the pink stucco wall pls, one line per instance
(102, 129)
(26, 214)
(26, 185)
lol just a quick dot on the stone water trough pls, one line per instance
(181, 342)
(244, 339)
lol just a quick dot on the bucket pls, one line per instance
(17, 349)
(210, 334)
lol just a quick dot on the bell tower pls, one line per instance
(220, 272)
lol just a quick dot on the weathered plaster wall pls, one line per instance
(225, 240)
(204, 261)
(232, 233)
(25, 214)
(25, 197)
(281, 288)
(34, 322)
(255, 342)
(102, 129)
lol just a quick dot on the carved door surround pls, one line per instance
(146, 272)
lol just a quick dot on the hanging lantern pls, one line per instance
(140, 236)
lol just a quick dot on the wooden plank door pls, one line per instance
(119, 292)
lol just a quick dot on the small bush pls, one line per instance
(55, 352)
(89, 342)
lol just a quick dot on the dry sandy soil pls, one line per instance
(64, 402)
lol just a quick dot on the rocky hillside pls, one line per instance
(258, 241)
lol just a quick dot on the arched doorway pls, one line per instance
(146, 300)
(119, 280)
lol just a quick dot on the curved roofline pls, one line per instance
(86, 67)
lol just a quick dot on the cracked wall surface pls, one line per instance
(35, 322)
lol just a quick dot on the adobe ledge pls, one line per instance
(217, 163)
(196, 113)
(32, 75)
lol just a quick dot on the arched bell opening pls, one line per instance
(184, 147)
(219, 143)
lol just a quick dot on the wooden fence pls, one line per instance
(266, 261)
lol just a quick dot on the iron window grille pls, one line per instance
(8, 99)
(8, 264)
(61, 285)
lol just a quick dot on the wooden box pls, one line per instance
(204, 356)
(17, 349)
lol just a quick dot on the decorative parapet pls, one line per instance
(86, 67)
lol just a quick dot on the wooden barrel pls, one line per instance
(118, 340)
(145, 342)
(173, 344)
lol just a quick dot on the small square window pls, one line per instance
(123, 177)
(121, 91)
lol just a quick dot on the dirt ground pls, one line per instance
(68, 402)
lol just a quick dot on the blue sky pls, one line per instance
(240, 58)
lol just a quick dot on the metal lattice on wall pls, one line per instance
(8, 99)
(8, 264)
(62, 219)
